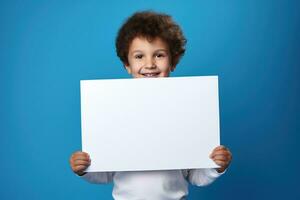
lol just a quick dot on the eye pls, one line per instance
(138, 56)
(160, 55)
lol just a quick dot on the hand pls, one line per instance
(222, 157)
(79, 161)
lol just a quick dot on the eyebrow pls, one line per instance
(140, 51)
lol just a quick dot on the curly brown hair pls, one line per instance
(150, 24)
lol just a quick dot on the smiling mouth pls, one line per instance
(151, 75)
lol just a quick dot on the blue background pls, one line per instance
(46, 47)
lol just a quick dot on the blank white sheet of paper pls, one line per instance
(150, 123)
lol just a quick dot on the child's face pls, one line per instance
(148, 59)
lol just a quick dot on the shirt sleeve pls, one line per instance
(203, 177)
(98, 177)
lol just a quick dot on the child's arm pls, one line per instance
(80, 161)
(98, 177)
(202, 177)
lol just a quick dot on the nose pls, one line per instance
(150, 63)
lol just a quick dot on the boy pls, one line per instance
(150, 45)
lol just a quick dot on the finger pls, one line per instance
(81, 162)
(220, 152)
(221, 157)
(219, 147)
(80, 153)
(81, 157)
(79, 168)
(221, 163)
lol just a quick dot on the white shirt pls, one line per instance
(153, 185)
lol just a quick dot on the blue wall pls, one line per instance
(46, 47)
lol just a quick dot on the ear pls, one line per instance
(128, 68)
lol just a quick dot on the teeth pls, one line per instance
(151, 75)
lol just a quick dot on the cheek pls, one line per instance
(135, 67)
(165, 66)
(164, 74)
(135, 70)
